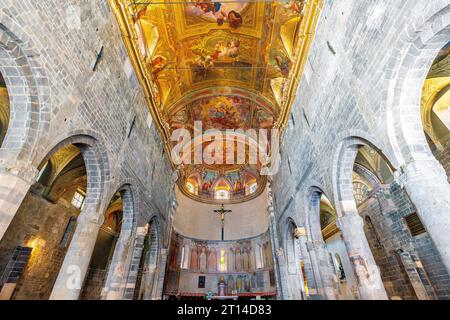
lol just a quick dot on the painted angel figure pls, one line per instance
(297, 5)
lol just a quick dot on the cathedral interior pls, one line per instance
(235, 149)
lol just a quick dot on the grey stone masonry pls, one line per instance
(47, 52)
(363, 79)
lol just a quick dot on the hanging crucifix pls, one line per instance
(222, 212)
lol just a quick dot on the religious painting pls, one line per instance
(221, 56)
(263, 119)
(216, 11)
(222, 112)
(226, 64)
(208, 180)
(113, 221)
(281, 62)
(296, 6)
(235, 178)
(179, 119)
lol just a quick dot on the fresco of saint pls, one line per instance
(220, 12)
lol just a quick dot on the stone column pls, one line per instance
(116, 281)
(135, 263)
(309, 270)
(76, 263)
(278, 258)
(428, 188)
(366, 271)
(295, 272)
(294, 281)
(158, 285)
(413, 276)
(14, 185)
(325, 269)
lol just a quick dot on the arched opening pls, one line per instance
(104, 249)
(295, 263)
(391, 225)
(33, 247)
(343, 277)
(326, 239)
(435, 107)
(147, 280)
(4, 109)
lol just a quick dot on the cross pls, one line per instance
(222, 212)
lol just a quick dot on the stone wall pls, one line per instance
(107, 103)
(344, 92)
(389, 233)
(40, 225)
(443, 156)
(53, 79)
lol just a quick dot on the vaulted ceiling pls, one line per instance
(232, 64)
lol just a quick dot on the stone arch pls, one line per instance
(117, 274)
(289, 244)
(93, 171)
(97, 165)
(28, 92)
(296, 258)
(150, 260)
(97, 172)
(350, 223)
(155, 241)
(343, 168)
(321, 268)
(419, 45)
(313, 196)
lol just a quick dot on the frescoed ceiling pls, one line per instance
(232, 64)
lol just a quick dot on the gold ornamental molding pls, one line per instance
(307, 33)
(128, 35)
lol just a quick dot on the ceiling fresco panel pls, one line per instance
(229, 64)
